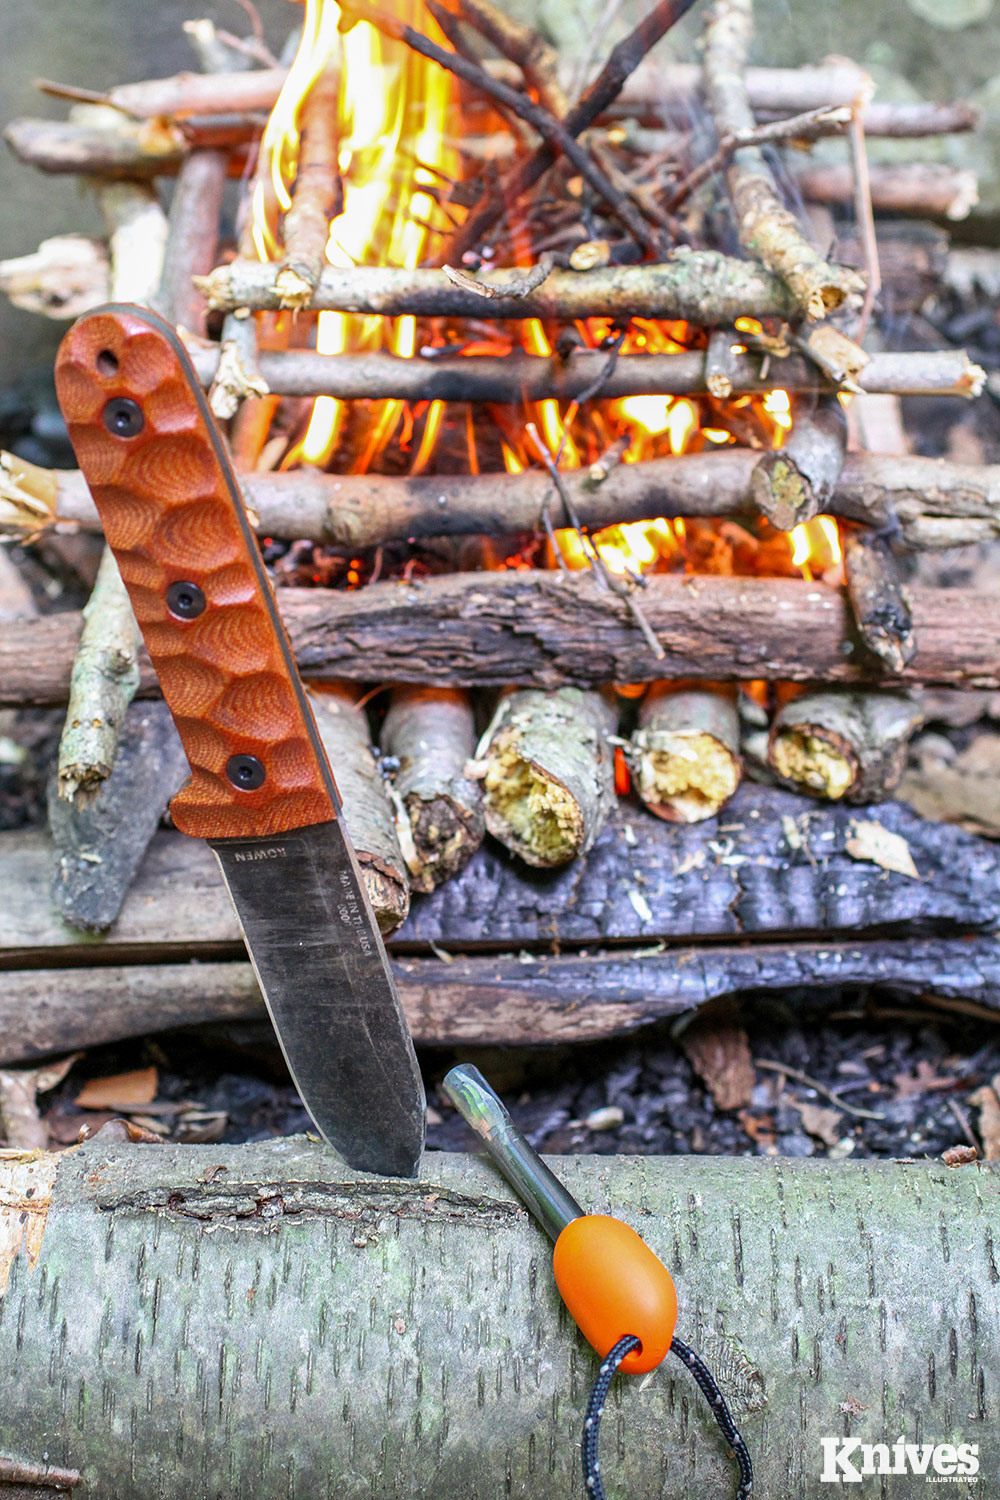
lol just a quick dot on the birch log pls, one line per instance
(260, 1321)
(343, 728)
(685, 754)
(548, 773)
(430, 732)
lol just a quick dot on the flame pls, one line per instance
(386, 166)
(816, 546)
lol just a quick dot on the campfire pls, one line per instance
(569, 496)
(570, 430)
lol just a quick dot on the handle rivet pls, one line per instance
(185, 601)
(245, 772)
(122, 417)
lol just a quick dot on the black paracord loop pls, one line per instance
(595, 1406)
(593, 1483)
(720, 1411)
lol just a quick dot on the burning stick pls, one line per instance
(934, 504)
(877, 599)
(521, 45)
(797, 481)
(316, 194)
(439, 809)
(623, 60)
(843, 745)
(766, 228)
(518, 377)
(701, 287)
(548, 773)
(684, 756)
(343, 728)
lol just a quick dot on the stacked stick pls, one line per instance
(541, 778)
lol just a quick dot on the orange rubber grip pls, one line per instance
(614, 1285)
(173, 516)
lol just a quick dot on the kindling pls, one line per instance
(848, 1460)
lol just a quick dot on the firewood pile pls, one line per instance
(577, 453)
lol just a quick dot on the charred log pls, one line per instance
(876, 593)
(781, 867)
(501, 1000)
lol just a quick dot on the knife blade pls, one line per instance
(261, 790)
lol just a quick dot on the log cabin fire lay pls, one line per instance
(558, 406)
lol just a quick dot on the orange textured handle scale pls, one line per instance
(613, 1285)
(171, 510)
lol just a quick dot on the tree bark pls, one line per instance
(934, 503)
(250, 1317)
(549, 630)
(501, 1000)
(781, 866)
(877, 598)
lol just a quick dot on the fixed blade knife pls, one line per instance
(261, 790)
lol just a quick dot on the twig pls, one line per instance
(811, 125)
(765, 227)
(865, 216)
(522, 45)
(606, 87)
(533, 114)
(316, 193)
(596, 561)
(819, 1088)
(104, 682)
(520, 286)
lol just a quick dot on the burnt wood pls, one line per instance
(771, 864)
(499, 1000)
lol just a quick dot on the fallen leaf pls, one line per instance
(988, 1104)
(819, 1121)
(122, 1091)
(717, 1048)
(923, 1080)
(877, 845)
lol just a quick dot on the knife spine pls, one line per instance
(172, 513)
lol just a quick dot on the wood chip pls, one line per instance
(717, 1048)
(870, 841)
(986, 1100)
(959, 1156)
(823, 1123)
(121, 1091)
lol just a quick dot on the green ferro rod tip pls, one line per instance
(523, 1168)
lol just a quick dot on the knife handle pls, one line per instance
(172, 513)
